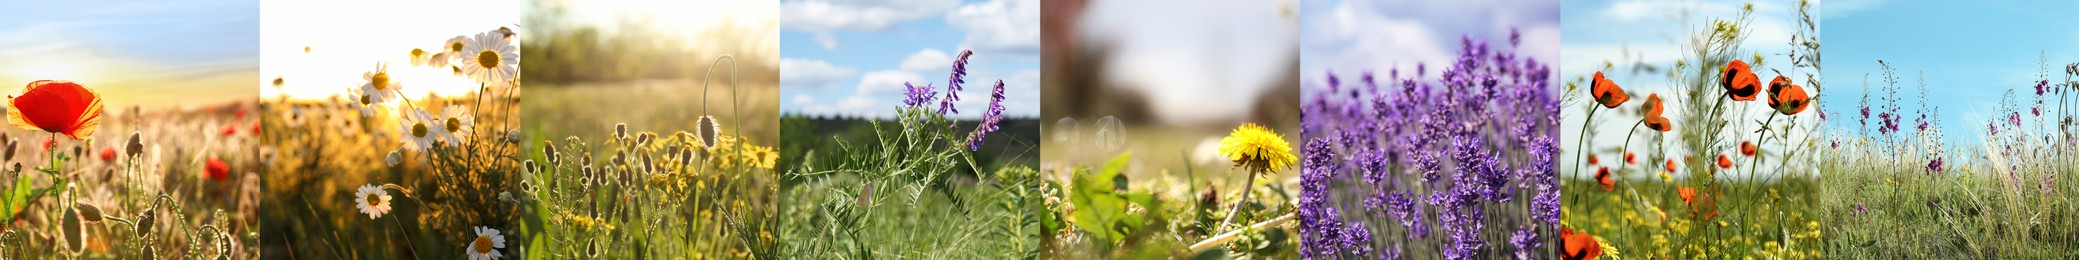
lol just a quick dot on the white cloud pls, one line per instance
(841, 15)
(1000, 26)
(861, 105)
(807, 73)
(822, 17)
(804, 100)
(888, 81)
(927, 60)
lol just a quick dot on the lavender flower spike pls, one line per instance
(989, 120)
(953, 84)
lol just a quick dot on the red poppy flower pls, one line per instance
(1701, 204)
(217, 170)
(1786, 97)
(229, 129)
(1747, 148)
(1579, 245)
(1724, 162)
(1591, 160)
(58, 107)
(1602, 176)
(1671, 165)
(1739, 81)
(1607, 92)
(1630, 158)
(1652, 110)
(1659, 124)
(108, 154)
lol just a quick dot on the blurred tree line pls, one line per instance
(561, 49)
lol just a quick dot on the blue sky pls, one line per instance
(1352, 36)
(851, 58)
(1971, 53)
(147, 53)
(1655, 33)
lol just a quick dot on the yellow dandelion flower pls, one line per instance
(1257, 148)
(1664, 177)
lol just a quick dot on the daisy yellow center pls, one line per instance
(455, 47)
(488, 58)
(366, 99)
(375, 200)
(419, 130)
(482, 244)
(381, 80)
(415, 52)
(454, 124)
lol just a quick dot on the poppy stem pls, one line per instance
(1761, 136)
(1582, 140)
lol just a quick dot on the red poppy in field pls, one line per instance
(1630, 158)
(1591, 160)
(1652, 110)
(1739, 81)
(1602, 176)
(1607, 92)
(1724, 162)
(229, 129)
(217, 170)
(108, 154)
(1579, 245)
(56, 106)
(1748, 148)
(1701, 204)
(1671, 165)
(1659, 124)
(1786, 97)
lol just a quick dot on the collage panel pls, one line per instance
(1037, 129)
(1690, 130)
(1956, 132)
(131, 130)
(909, 130)
(1431, 130)
(651, 130)
(391, 138)
(1169, 134)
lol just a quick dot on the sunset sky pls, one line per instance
(154, 54)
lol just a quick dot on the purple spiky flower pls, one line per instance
(945, 106)
(989, 120)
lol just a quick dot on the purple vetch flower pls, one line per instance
(945, 106)
(1935, 165)
(989, 119)
(917, 96)
(1859, 209)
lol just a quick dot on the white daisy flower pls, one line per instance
(293, 116)
(457, 122)
(360, 101)
(441, 60)
(418, 130)
(455, 45)
(491, 59)
(419, 57)
(486, 244)
(372, 200)
(379, 87)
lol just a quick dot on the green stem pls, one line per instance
(1231, 212)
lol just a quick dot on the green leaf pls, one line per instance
(1099, 209)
